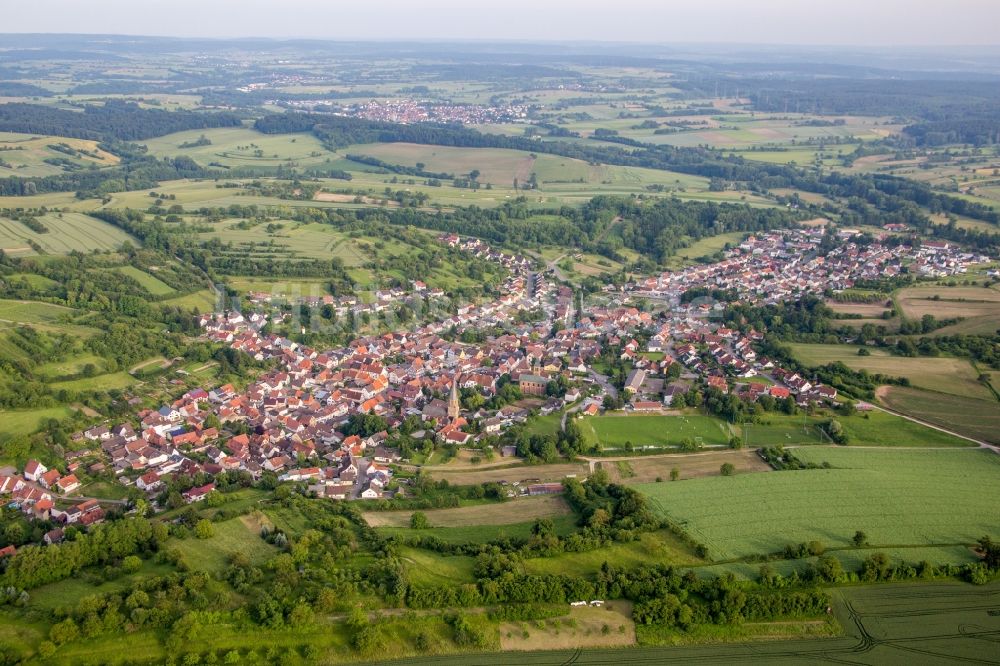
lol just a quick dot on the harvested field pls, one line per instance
(649, 469)
(519, 473)
(871, 310)
(506, 513)
(581, 627)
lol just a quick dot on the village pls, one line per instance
(304, 420)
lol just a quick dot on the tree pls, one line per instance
(131, 564)
(418, 521)
(829, 568)
(727, 469)
(860, 538)
(203, 529)
(675, 474)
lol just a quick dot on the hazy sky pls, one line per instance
(820, 22)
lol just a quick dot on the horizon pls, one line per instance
(788, 23)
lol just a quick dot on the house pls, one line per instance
(149, 481)
(34, 470)
(49, 479)
(68, 484)
(199, 493)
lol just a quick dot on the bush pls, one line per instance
(131, 564)
(418, 521)
(204, 530)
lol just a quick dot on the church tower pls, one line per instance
(454, 408)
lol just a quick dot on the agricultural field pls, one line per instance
(504, 513)
(954, 376)
(612, 431)
(975, 418)
(647, 469)
(978, 307)
(465, 476)
(880, 428)
(237, 147)
(872, 490)
(149, 282)
(68, 232)
(583, 627)
(27, 155)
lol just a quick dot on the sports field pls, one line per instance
(896, 497)
(615, 431)
(67, 232)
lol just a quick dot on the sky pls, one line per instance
(796, 22)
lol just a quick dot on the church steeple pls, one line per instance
(454, 407)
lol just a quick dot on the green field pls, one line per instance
(243, 147)
(708, 246)
(15, 422)
(150, 283)
(114, 380)
(428, 568)
(878, 428)
(231, 536)
(67, 232)
(979, 419)
(780, 430)
(946, 375)
(897, 497)
(203, 301)
(32, 312)
(25, 154)
(615, 431)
